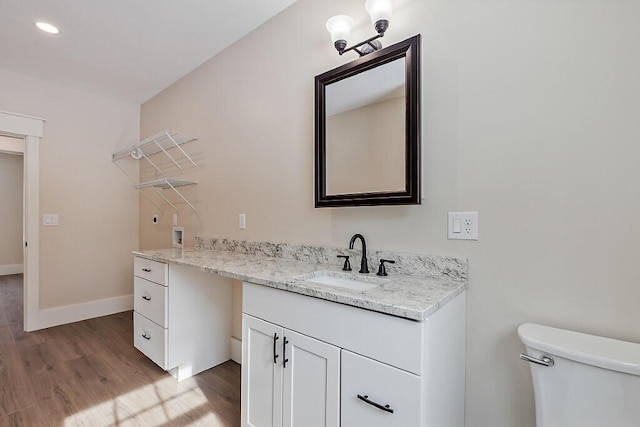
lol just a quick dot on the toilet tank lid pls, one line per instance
(607, 353)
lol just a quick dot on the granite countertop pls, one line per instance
(413, 297)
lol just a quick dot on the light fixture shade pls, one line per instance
(379, 10)
(340, 27)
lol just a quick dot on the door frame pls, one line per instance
(31, 129)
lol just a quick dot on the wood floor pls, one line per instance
(89, 374)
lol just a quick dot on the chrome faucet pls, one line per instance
(364, 268)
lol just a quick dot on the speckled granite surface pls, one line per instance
(427, 282)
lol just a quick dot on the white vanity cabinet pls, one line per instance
(182, 316)
(289, 379)
(348, 366)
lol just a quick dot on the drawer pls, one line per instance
(151, 339)
(151, 270)
(381, 384)
(150, 300)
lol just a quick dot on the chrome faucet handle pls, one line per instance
(347, 264)
(382, 271)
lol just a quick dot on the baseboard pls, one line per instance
(5, 270)
(236, 350)
(83, 311)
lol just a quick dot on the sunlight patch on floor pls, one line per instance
(155, 405)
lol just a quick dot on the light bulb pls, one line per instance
(48, 28)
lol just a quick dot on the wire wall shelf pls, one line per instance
(169, 144)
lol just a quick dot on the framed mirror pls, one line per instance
(367, 130)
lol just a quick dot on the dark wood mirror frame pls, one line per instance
(410, 50)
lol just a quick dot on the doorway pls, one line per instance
(11, 205)
(30, 130)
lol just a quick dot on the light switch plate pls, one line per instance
(50, 220)
(462, 226)
(242, 221)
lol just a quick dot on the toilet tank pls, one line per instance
(594, 381)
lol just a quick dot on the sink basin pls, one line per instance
(343, 280)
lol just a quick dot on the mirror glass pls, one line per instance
(365, 118)
(368, 130)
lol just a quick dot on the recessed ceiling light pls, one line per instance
(48, 28)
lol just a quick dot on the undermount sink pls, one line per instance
(342, 280)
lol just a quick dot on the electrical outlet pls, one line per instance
(462, 226)
(242, 221)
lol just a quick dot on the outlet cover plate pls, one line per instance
(462, 226)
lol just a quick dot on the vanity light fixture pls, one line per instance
(47, 28)
(340, 28)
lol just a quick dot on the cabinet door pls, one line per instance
(311, 393)
(261, 373)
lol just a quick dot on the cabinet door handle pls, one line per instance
(146, 336)
(146, 297)
(275, 356)
(284, 352)
(366, 399)
(146, 270)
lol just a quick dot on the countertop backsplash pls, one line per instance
(432, 266)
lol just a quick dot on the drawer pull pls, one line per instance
(365, 398)
(146, 270)
(275, 356)
(146, 336)
(146, 297)
(284, 352)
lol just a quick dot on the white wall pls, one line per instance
(88, 257)
(530, 113)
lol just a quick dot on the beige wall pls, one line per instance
(88, 257)
(365, 154)
(11, 209)
(529, 117)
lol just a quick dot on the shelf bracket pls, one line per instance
(182, 197)
(165, 199)
(166, 153)
(149, 160)
(180, 148)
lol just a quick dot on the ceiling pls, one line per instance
(127, 49)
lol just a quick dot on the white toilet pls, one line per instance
(582, 380)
